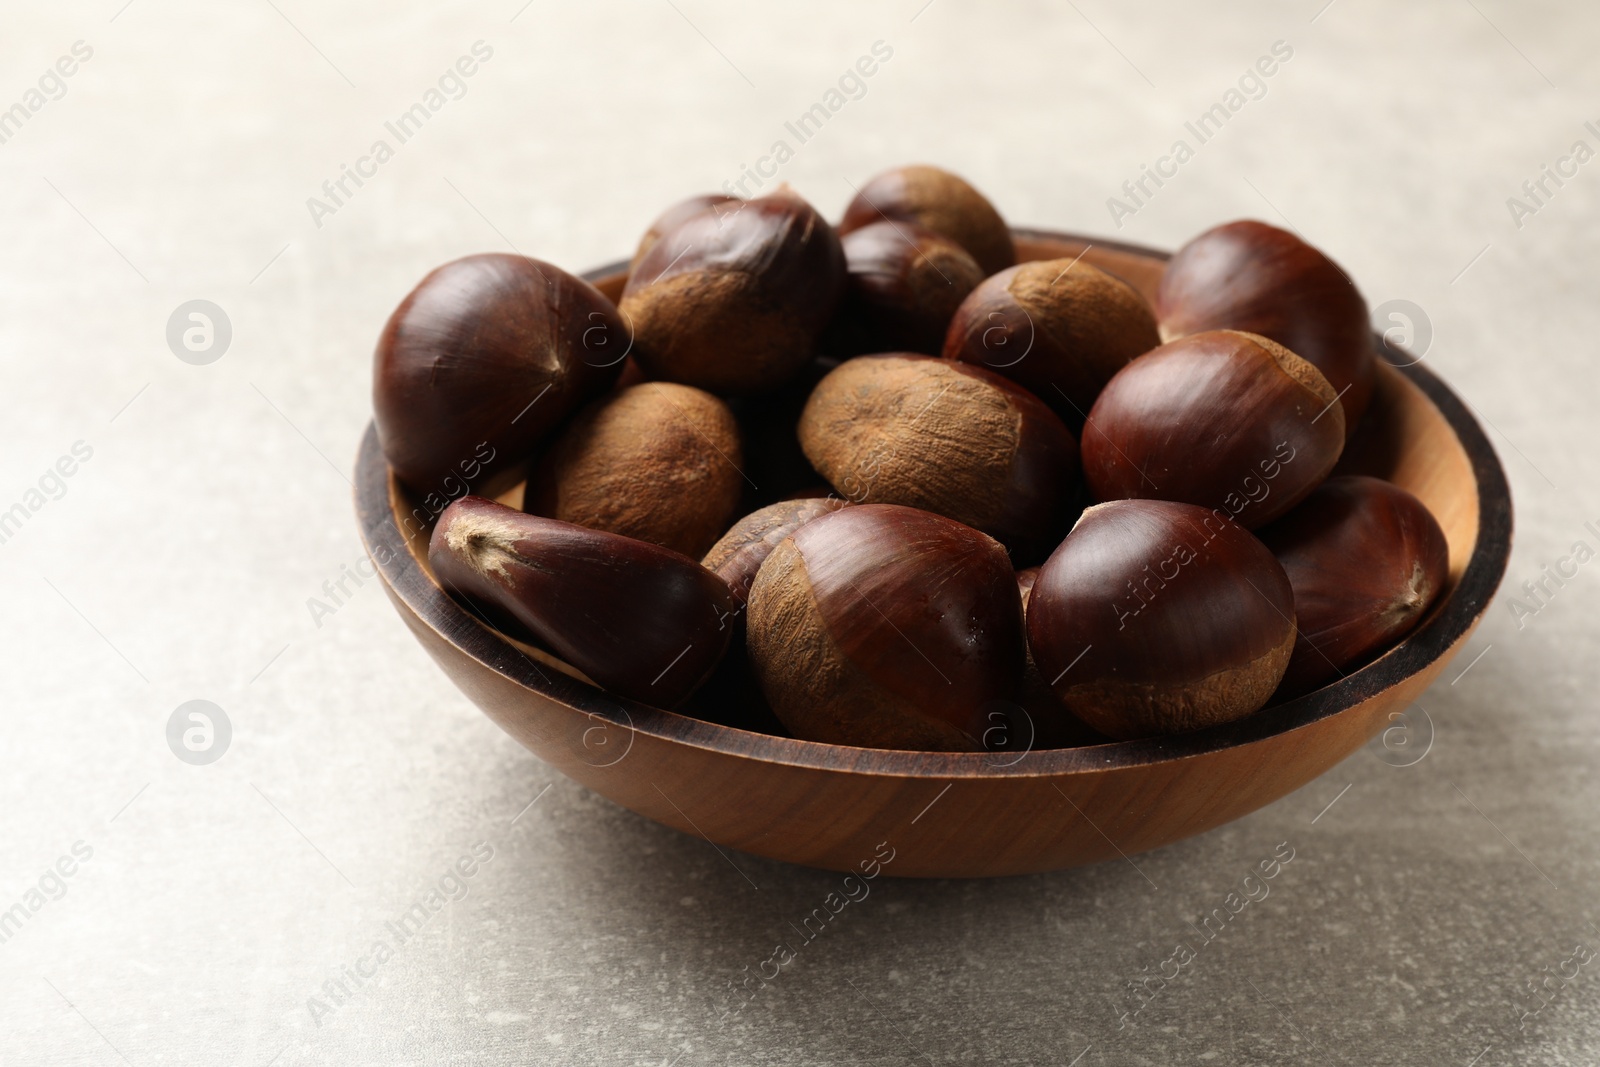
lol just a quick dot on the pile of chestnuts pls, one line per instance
(879, 484)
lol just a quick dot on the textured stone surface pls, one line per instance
(179, 562)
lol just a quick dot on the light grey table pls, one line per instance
(208, 511)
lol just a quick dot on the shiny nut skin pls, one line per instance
(733, 303)
(904, 283)
(1222, 419)
(677, 213)
(886, 627)
(1046, 722)
(1155, 617)
(939, 201)
(738, 554)
(481, 361)
(643, 622)
(1366, 560)
(1254, 277)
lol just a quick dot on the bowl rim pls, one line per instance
(1445, 625)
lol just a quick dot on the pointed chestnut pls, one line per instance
(939, 201)
(1366, 560)
(657, 461)
(480, 362)
(886, 627)
(1155, 617)
(1249, 276)
(643, 622)
(1059, 327)
(947, 437)
(1222, 419)
(903, 285)
(733, 302)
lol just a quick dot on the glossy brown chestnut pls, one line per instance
(677, 213)
(886, 627)
(939, 201)
(480, 362)
(659, 461)
(903, 286)
(1223, 419)
(643, 622)
(738, 555)
(1045, 721)
(1059, 327)
(1249, 276)
(946, 437)
(1155, 617)
(733, 302)
(1366, 559)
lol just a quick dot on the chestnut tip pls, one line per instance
(1366, 560)
(643, 622)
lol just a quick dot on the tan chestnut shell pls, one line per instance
(1059, 327)
(656, 461)
(1155, 617)
(947, 437)
(886, 627)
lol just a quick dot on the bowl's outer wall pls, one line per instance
(964, 814)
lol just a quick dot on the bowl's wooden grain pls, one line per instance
(972, 814)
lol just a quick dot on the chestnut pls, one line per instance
(886, 627)
(480, 362)
(1254, 277)
(902, 287)
(1049, 723)
(1155, 617)
(939, 201)
(642, 621)
(677, 213)
(733, 303)
(947, 437)
(739, 553)
(1366, 560)
(1059, 327)
(1224, 419)
(658, 461)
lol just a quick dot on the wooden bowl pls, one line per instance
(975, 814)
